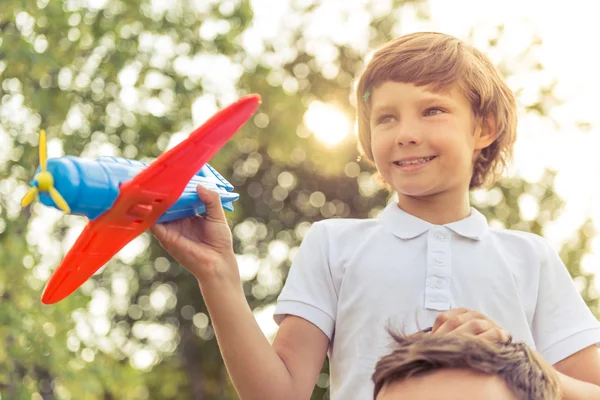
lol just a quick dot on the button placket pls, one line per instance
(437, 283)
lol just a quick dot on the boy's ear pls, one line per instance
(488, 132)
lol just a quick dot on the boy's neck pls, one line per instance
(439, 209)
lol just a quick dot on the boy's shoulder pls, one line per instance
(342, 237)
(341, 226)
(514, 234)
(520, 239)
(344, 232)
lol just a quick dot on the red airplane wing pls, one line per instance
(144, 199)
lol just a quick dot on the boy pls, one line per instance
(437, 120)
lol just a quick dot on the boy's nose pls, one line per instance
(407, 142)
(408, 135)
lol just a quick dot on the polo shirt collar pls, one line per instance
(407, 226)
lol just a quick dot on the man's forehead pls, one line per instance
(449, 384)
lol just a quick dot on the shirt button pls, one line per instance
(439, 237)
(439, 283)
(439, 260)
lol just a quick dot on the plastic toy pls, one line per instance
(122, 198)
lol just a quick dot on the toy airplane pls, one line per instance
(122, 198)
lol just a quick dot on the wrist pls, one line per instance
(223, 272)
(220, 289)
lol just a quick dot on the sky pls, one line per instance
(569, 54)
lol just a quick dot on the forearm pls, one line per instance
(255, 368)
(573, 389)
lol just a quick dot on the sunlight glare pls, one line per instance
(264, 318)
(327, 123)
(143, 359)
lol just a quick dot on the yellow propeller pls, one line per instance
(44, 182)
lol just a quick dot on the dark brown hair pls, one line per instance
(441, 61)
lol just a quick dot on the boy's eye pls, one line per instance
(385, 119)
(433, 111)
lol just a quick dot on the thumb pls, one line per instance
(212, 200)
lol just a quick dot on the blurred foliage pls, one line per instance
(108, 77)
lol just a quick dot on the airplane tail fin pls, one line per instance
(208, 171)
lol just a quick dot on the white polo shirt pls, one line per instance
(352, 278)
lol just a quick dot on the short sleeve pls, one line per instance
(562, 322)
(309, 291)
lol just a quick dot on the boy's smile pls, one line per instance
(413, 164)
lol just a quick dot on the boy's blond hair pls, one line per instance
(441, 61)
(525, 374)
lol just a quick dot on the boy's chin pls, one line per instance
(415, 192)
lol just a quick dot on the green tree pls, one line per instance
(129, 79)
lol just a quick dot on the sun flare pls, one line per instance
(327, 122)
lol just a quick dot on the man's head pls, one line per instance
(453, 367)
(437, 65)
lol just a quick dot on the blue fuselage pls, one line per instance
(90, 187)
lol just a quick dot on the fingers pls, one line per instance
(474, 327)
(483, 329)
(158, 230)
(496, 334)
(451, 316)
(465, 321)
(212, 200)
(162, 234)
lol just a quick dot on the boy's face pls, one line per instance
(424, 143)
